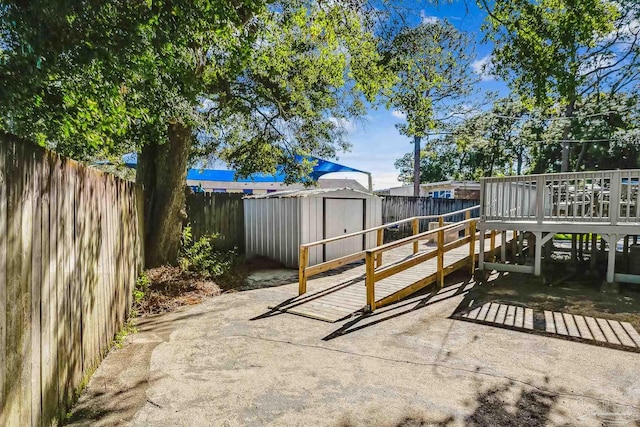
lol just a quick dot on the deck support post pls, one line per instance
(574, 248)
(416, 230)
(472, 247)
(503, 246)
(492, 246)
(302, 274)
(379, 242)
(594, 251)
(514, 245)
(541, 240)
(537, 262)
(370, 282)
(611, 260)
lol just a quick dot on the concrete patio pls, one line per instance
(231, 362)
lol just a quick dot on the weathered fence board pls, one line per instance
(223, 213)
(395, 208)
(70, 252)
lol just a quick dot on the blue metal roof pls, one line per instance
(322, 167)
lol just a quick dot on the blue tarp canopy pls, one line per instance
(322, 167)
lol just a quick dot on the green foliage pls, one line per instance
(128, 329)
(543, 46)
(141, 288)
(563, 55)
(204, 258)
(509, 139)
(431, 63)
(260, 82)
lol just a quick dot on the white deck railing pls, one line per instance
(606, 197)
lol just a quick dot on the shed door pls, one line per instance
(343, 216)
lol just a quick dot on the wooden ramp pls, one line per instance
(340, 293)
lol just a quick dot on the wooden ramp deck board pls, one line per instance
(341, 293)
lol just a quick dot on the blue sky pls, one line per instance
(376, 143)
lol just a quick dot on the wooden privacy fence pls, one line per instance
(223, 213)
(70, 252)
(395, 208)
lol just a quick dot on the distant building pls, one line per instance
(219, 181)
(468, 190)
(226, 181)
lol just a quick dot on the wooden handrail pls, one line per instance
(305, 271)
(392, 245)
(384, 226)
(372, 276)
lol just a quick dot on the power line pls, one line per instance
(555, 118)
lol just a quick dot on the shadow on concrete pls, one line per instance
(430, 295)
(523, 313)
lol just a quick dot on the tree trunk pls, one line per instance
(162, 170)
(583, 151)
(565, 136)
(520, 162)
(416, 166)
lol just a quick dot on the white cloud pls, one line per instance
(345, 124)
(384, 180)
(428, 19)
(398, 114)
(482, 67)
(595, 62)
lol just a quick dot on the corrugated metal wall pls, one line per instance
(276, 227)
(272, 229)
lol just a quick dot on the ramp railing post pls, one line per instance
(379, 242)
(472, 246)
(416, 230)
(467, 216)
(370, 281)
(302, 274)
(440, 274)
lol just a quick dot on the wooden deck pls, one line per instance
(340, 293)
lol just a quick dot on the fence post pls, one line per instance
(370, 281)
(440, 275)
(472, 246)
(416, 230)
(379, 242)
(302, 274)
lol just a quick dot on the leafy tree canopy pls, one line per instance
(431, 63)
(261, 82)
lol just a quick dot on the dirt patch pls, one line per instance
(172, 287)
(577, 295)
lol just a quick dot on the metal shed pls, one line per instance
(276, 224)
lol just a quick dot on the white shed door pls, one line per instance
(343, 216)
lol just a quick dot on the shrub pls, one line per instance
(204, 258)
(141, 287)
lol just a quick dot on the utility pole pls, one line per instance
(416, 166)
